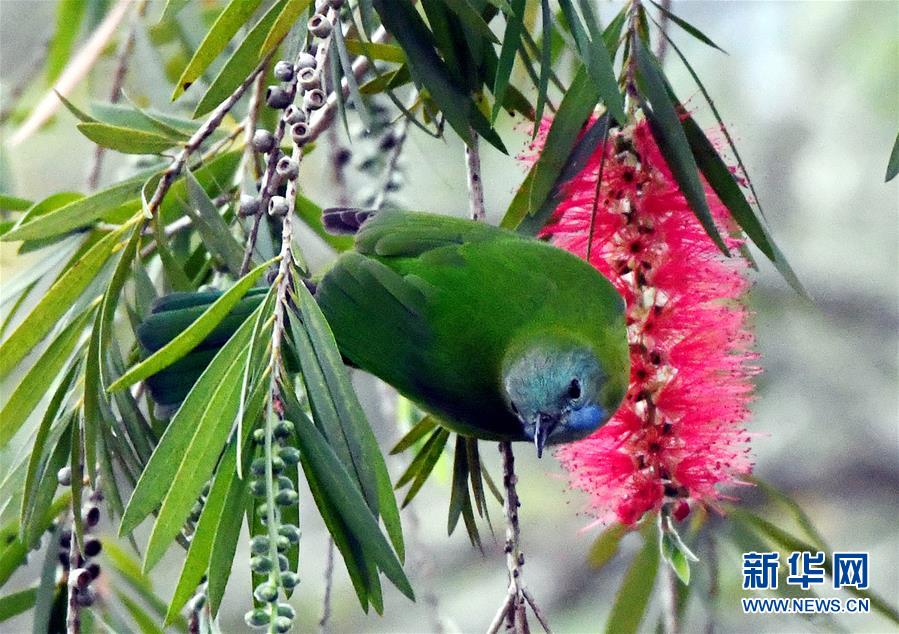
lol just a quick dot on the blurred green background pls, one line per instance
(811, 93)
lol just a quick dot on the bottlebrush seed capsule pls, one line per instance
(283, 429)
(314, 99)
(91, 516)
(282, 624)
(283, 70)
(81, 578)
(277, 206)
(300, 133)
(257, 467)
(309, 78)
(260, 564)
(293, 114)
(92, 547)
(287, 168)
(306, 60)
(286, 497)
(64, 476)
(320, 25)
(277, 97)
(249, 206)
(263, 141)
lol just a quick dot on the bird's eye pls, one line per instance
(514, 408)
(574, 389)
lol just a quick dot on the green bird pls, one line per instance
(499, 336)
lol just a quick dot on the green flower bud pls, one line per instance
(290, 579)
(256, 618)
(290, 531)
(289, 455)
(286, 497)
(285, 609)
(266, 592)
(284, 429)
(260, 564)
(259, 545)
(282, 624)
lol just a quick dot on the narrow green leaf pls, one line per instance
(668, 131)
(131, 116)
(598, 62)
(576, 107)
(632, 597)
(376, 50)
(17, 603)
(787, 503)
(430, 454)
(227, 533)
(193, 335)
(69, 17)
(511, 44)
(419, 431)
(606, 545)
(196, 562)
(612, 33)
(172, 8)
(241, 62)
(12, 203)
(686, 26)
(196, 464)
(43, 457)
(346, 65)
(90, 404)
(282, 25)
(421, 458)
(56, 302)
(471, 17)
(343, 539)
(214, 230)
(160, 471)
(459, 489)
(14, 552)
(233, 16)
(77, 213)
(368, 461)
(349, 503)
(429, 70)
(546, 58)
(125, 140)
(893, 165)
(145, 623)
(30, 391)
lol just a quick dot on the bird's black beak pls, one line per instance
(542, 429)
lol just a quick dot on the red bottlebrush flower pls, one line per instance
(679, 433)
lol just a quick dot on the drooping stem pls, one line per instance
(669, 592)
(323, 622)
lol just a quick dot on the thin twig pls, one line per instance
(250, 163)
(209, 126)
(663, 29)
(323, 625)
(475, 184)
(118, 80)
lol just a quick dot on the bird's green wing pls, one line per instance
(431, 304)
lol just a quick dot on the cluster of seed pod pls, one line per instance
(77, 561)
(278, 616)
(304, 76)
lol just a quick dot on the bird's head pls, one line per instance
(558, 390)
